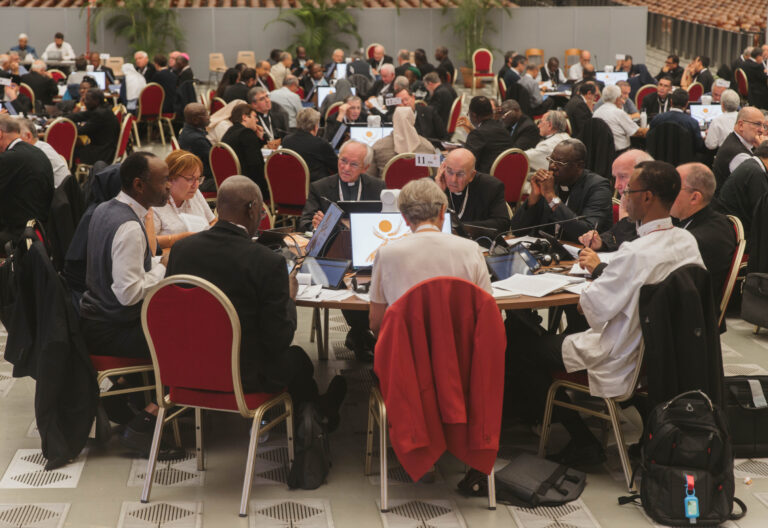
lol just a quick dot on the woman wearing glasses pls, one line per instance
(186, 212)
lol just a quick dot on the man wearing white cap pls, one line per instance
(24, 48)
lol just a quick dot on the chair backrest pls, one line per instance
(125, 135)
(216, 62)
(535, 56)
(217, 104)
(62, 136)
(453, 117)
(268, 220)
(616, 203)
(598, 138)
(224, 163)
(271, 84)
(401, 169)
(25, 89)
(151, 101)
(57, 75)
(733, 272)
(670, 142)
(247, 57)
(332, 110)
(116, 65)
(741, 82)
(511, 167)
(210, 95)
(642, 93)
(119, 111)
(502, 88)
(200, 350)
(695, 91)
(482, 60)
(571, 53)
(369, 50)
(287, 176)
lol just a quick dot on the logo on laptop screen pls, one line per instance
(386, 232)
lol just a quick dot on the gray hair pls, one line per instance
(368, 150)
(404, 54)
(38, 65)
(387, 68)
(307, 119)
(558, 120)
(256, 90)
(421, 200)
(26, 125)
(401, 83)
(284, 55)
(432, 77)
(729, 100)
(9, 125)
(290, 80)
(141, 54)
(700, 178)
(611, 93)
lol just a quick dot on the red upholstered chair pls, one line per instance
(427, 309)
(125, 136)
(695, 91)
(57, 75)
(224, 162)
(25, 89)
(270, 82)
(616, 204)
(196, 360)
(482, 66)
(511, 167)
(332, 110)
(642, 93)
(502, 88)
(217, 103)
(61, 134)
(267, 221)
(453, 117)
(174, 144)
(733, 272)
(150, 109)
(288, 178)
(741, 82)
(401, 169)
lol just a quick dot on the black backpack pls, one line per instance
(312, 460)
(687, 464)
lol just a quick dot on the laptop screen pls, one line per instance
(100, 77)
(324, 230)
(325, 91)
(369, 135)
(518, 261)
(705, 113)
(370, 231)
(611, 77)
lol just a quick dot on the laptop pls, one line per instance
(324, 231)
(325, 91)
(341, 70)
(360, 206)
(329, 273)
(519, 261)
(369, 135)
(611, 77)
(54, 55)
(100, 77)
(370, 231)
(704, 114)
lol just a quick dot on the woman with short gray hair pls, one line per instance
(422, 201)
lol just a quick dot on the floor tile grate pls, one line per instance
(161, 515)
(303, 513)
(171, 473)
(751, 467)
(734, 369)
(358, 380)
(27, 470)
(574, 514)
(426, 513)
(271, 465)
(39, 515)
(341, 352)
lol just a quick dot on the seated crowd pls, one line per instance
(159, 224)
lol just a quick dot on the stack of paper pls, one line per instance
(515, 241)
(318, 293)
(536, 285)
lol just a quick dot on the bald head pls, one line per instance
(459, 170)
(239, 201)
(624, 165)
(749, 122)
(196, 115)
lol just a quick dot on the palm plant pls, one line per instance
(322, 22)
(148, 25)
(472, 23)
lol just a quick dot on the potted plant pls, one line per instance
(471, 21)
(323, 21)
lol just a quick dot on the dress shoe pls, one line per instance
(330, 402)
(574, 455)
(356, 342)
(137, 437)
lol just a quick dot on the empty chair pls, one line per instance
(511, 167)
(535, 56)
(401, 169)
(247, 57)
(216, 66)
(224, 162)
(572, 56)
(287, 175)
(150, 109)
(61, 134)
(482, 66)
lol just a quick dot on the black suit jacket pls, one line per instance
(578, 114)
(429, 124)
(442, 100)
(316, 152)
(168, 79)
(447, 65)
(685, 121)
(247, 146)
(102, 128)
(717, 241)
(377, 88)
(485, 205)
(149, 71)
(742, 190)
(725, 154)
(676, 74)
(757, 82)
(526, 134)
(26, 186)
(590, 196)
(256, 282)
(486, 142)
(186, 75)
(278, 118)
(652, 105)
(236, 91)
(321, 191)
(705, 78)
(195, 141)
(43, 87)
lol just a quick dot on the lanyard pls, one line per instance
(359, 190)
(464, 204)
(267, 127)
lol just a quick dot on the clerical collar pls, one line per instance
(654, 225)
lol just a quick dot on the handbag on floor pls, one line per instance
(754, 299)
(747, 412)
(312, 458)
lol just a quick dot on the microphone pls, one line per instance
(526, 228)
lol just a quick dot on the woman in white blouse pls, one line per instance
(186, 212)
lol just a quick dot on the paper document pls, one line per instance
(577, 270)
(577, 288)
(318, 293)
(573, 250)
(503, 294)
(536, 285)
(515, 241)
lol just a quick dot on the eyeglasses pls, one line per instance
(558, 163)
(458, 174)
(756, 123)
(192, 180)
(627, 191)
(351, 164)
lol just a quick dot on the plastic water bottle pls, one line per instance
(643, 119)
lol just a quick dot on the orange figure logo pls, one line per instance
(386, 233)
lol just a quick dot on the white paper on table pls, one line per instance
(363, 297)
(535, 285)
(573, 250)
(576, 269)
(517, 240)
(308, 293)
(577, 288)
(503, 294)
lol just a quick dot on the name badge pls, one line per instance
(392, 101)
(5, 81)
(427, 160)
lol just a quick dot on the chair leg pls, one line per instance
(199, 439)
(250, 463)
(492, 490)
(369, 433)
(613, 412)
(383, 457)
(136, 135)
(326, 317)
(152, 461)
(547, 423)
(160, 129)
(168, 122)
(176, 432)
(312, 328)
(757, 329)
(289, 429)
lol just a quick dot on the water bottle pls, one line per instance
(643, 119)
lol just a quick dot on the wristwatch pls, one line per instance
(554, 202)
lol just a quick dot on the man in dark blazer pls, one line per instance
(521, 128)
(702, 74)
(382, 86)
(441, 96)
(745, 187)
(677, 115)
(247, 137)
(168, 79)
(315, 151)
(183, 70)
(257, 283)
(428, 122)
(99, 123)
(270, 116)
(737, 144)
(516, 70)
(239, 90)
(713, 231)
(672, 69)
(565, 191)
(41, 83)
(489, 138)
(579, 108)
(379, 59)
(757, 80)
(143, 66)
(659, 102)
(194, 139)
(441, 56)
(475, 198)
(26, 183)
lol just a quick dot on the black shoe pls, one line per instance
(574, 455)
(103, 427)
(137, 437)
(330, 402)
(357, 343)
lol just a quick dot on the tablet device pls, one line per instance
(329, 273)
(519, 261)
(336, 140)
(324, 230)
(11, 109)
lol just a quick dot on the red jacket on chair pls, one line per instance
(440, 363)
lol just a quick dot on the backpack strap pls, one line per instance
(736, 516)
(551, 480)
(634, 499)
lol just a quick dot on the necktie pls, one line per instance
(149, 227)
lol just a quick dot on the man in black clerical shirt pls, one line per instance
(521, 128)
(441, 96)
(489, 138)
(194, 139)
(275, 124)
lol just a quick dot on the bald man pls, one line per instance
(737, 147)
(379, 59)
(476, 198)
(263, 293)
(194, 139)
